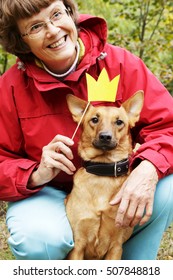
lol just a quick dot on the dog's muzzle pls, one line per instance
(104, 142)
(114, 169)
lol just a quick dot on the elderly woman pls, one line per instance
(55, 49)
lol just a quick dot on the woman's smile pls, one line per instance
(58, 44)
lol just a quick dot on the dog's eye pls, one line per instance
(119, 122)
(95, 120)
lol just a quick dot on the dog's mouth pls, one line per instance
(103, 145)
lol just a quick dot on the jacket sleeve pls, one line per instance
(154, 131)
(15, 168)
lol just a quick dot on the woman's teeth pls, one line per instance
(57, 44)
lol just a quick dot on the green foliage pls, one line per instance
(6, 60)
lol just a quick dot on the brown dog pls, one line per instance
(105, 147)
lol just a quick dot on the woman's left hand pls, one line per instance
(136, 196)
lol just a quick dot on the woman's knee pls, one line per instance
(35, 246)
(38, 226)
(163, 202)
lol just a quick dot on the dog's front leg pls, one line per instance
(76, 254)
(114, 253)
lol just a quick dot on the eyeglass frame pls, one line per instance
(66, 11)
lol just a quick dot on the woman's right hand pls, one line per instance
(56, 156)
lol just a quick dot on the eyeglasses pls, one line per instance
(37, 29)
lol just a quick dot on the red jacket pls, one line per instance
(33, 110)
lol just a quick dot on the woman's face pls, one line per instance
(54, 45)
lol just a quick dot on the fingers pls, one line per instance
(138, 214)
(57, 149)
(117, 198)
(61, 161)
(134, 208)
(131, 213)
(147, 216)
(61, 138)
(122, 209)
(56, 156)
(61, 148)
(61, 144)
(136, 196)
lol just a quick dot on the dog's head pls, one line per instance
(106, 130)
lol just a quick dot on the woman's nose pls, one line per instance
(51, 29)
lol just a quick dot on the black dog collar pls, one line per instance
(114, 169)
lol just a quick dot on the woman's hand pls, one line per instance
(136, 196)
(56, 156)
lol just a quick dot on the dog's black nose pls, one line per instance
(105, 137)
(105, 141)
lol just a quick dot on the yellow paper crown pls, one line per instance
(103, 89)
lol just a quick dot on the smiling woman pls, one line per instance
(17, 11)
(57, 51)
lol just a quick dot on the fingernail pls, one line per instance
(71, 157)
(74, 168)
(112, 202)
(118, 225)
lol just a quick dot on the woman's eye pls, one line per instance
(56, 16)
(119, 122)
(36, 27)
(95, 120)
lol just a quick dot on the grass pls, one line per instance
(165, 251)
(5, 253)
(166, 246)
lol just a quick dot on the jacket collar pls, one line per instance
(96, 25)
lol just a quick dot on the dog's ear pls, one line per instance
(76, 106)
(133, 107)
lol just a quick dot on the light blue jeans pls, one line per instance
(39, 229)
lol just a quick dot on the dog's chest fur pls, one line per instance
(93, 217)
